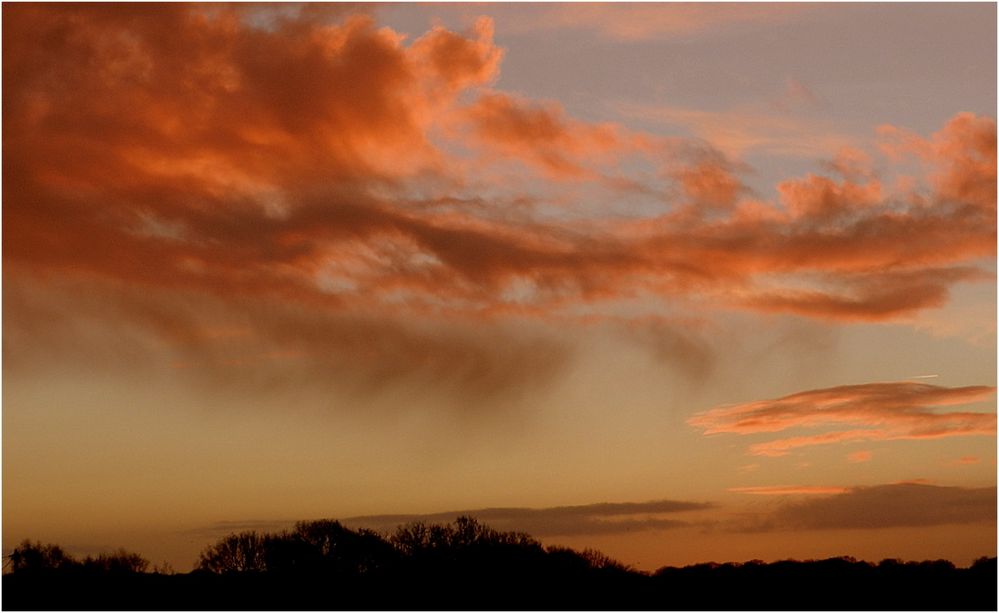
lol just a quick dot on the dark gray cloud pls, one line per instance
(599, 518)
(875, 507)
(884, 506)
(592, 519)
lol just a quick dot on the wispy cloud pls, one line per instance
(874, 411)
(966, 460)
(795, 95)
(789, 490)
(738, 132)
(642, 21)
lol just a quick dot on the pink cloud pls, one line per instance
(875, 411)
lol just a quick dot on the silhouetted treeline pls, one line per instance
(468, 566)
(28, 558)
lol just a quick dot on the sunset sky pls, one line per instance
(679, 282)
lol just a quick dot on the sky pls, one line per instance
(679, 282)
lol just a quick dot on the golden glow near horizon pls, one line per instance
(678, 282)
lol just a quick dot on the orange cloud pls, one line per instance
(821, 197)
(967, 460)
(859, 456)
(181, 148)
(541, 135)
(877, 411)
(710, 183)
(868, 297)
(962, 155)
(459, 62)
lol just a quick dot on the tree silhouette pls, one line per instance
(34, 557)
(417, 538)
(598, 560)
(327, 546)
(120, 562)
(236, 553)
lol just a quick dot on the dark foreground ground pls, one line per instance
(835, 584)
